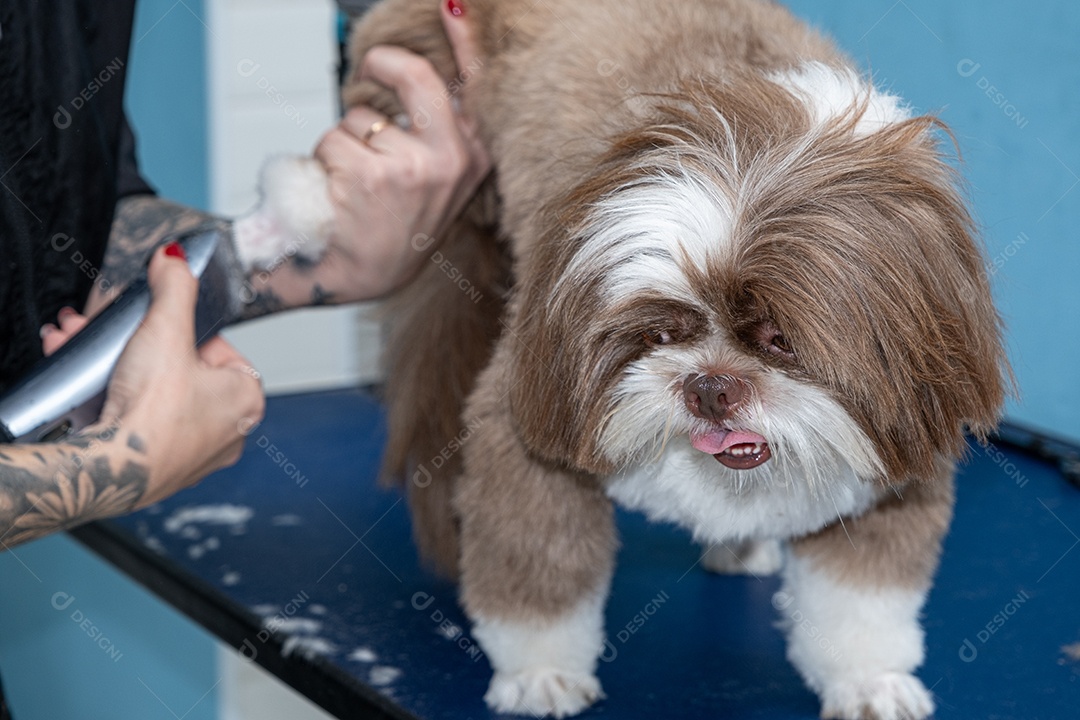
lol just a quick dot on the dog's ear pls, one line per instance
(558, 372)
(904, 329)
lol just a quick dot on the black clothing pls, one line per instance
(66, 157)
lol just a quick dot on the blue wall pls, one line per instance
(167, 98)
(80, 641)
(1021, 155)
(144, 661)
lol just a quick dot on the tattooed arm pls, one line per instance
(47, 488)
(173, 414)
(143, 222)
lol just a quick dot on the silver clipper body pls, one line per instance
(65, 392)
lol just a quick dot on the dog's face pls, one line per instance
(779, 269)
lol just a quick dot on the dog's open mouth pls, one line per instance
(736, 449)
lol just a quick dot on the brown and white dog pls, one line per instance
(725, 281)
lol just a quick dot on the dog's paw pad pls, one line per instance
(889, 696)
(543, 692)
(753, 557)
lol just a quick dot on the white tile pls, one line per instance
(250, 693)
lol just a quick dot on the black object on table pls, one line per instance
(296, 558)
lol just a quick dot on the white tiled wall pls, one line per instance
(272, 90)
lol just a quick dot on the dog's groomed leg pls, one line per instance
(851, 600)
(537, 545)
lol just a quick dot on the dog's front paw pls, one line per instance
(543, 691)
(888, 696)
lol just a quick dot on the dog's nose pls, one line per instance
(712, 397)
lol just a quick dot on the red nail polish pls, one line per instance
(173, 249)
(455, 8)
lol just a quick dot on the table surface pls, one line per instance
(297, 558)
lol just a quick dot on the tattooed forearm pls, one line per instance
(46, 488)
(261, 302)
(141, 223)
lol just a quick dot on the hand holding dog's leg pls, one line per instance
(365, 214)
(851, 601)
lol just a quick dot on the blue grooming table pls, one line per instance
(300, 561)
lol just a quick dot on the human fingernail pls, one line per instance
(455, 8)
(173, 249)
(65, 312)
(46, 329)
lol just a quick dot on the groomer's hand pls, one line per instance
(395, 191)
(190, 407)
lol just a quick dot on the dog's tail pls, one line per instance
(440, 332)
(440, 329)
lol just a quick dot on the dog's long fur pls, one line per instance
(846, 230)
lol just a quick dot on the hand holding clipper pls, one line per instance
(65, 392)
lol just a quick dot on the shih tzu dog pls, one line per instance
(727, 282)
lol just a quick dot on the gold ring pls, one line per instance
(376, 127)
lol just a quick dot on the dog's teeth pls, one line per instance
(745, 449)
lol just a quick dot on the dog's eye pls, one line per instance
(779, 345)
(653, 338)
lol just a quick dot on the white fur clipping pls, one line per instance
(545, 667)
(294, 216)
(831, 93)
(856, 647)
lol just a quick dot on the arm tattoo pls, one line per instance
(51, 487)
(261, 302)
(141, 223)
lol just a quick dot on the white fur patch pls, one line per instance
(856, 647)
(640, 237)
(751, 557)
(721, 505)
(293, 218)
(815, 443)
(545, 667)
(830, 93)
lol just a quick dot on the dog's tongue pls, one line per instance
(715, 442)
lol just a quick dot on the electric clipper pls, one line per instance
(66, 391)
